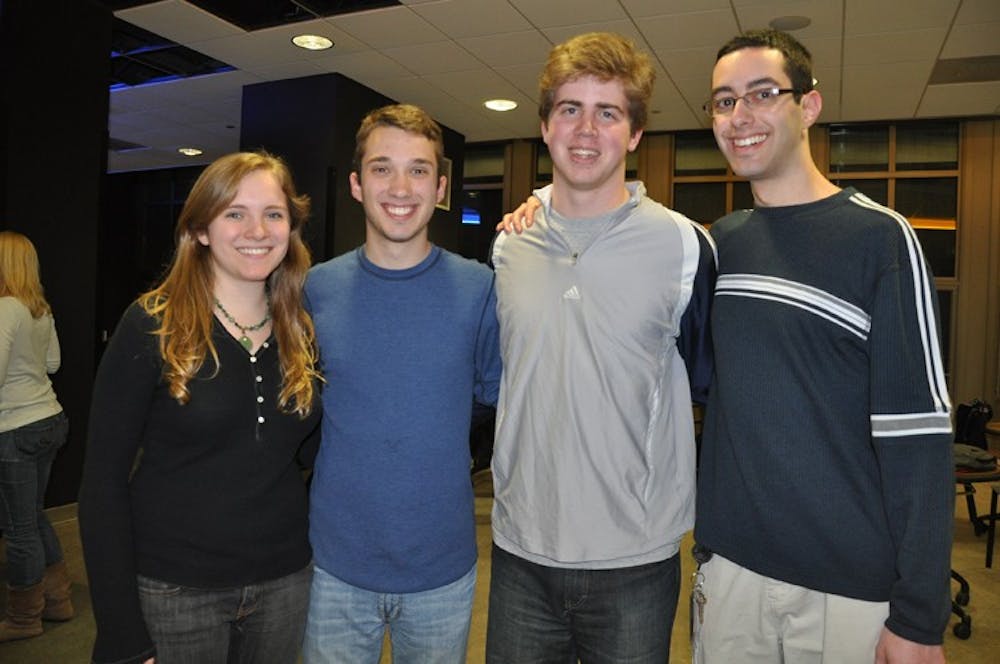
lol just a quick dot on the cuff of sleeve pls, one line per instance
(911, 633)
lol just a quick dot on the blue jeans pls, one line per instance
(26, 455)
(257, 624)
(543, 615)
(347, 623)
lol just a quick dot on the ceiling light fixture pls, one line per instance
(190, 152)
(312, 42)
(500, 104)
(789, 23)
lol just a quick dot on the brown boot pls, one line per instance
(58, 606)
(24, 613)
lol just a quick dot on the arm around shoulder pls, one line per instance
(695, 341)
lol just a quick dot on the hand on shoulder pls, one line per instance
(520, 219)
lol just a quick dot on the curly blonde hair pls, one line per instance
(183, 302)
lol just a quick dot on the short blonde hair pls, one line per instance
(606, 56)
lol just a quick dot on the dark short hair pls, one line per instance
(798, 60)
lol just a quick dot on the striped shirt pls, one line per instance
(826, 452)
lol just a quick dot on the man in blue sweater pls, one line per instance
(825, 493)
(408, 338)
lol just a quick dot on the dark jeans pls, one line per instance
(550, 615)
(258, 624)
(26, 455)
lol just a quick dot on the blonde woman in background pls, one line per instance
(32, 429)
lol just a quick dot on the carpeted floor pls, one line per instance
(69, 643)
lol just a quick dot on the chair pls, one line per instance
(991, 529)
(981, 524)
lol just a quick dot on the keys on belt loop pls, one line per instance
(701, 554)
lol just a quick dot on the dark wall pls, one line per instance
(137, 236)
(311, 122)
(53, 163)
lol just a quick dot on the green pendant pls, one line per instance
(245, 340)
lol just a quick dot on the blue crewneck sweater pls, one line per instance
(404, 353)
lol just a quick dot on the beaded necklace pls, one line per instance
(244, 340)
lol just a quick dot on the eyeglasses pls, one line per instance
(756, 98)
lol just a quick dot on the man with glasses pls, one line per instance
(825, 494)
(825, 490)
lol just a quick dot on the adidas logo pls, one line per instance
(571, 294)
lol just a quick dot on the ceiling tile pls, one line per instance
(249, 51)
(691, 30)
(127, 100)
(179, 21)
(215, 86)
(883, 91)
(886, 47)
(343, 41)
(696, 63)
(492, 16)
(433, 58)
(694, 91)
(623, 27)
(826, 16)
(363, 67)
(474, 87)
(412, 90)
(644, 8)
(826, 51)
(523, 77)
(864, 16)
(978, 11)
(389, 27)
(961, 99)
(972, 40)
(143, 160)
(284, 70)
(512, 48)
(553, 13)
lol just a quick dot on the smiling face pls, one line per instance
(249, 238)
(589, 135)
(764, 145)
(398, 186)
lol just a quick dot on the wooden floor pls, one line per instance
(69, 643)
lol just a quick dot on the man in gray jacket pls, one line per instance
(603, 306)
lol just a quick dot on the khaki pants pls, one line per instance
(752, 619)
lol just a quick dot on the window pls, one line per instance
(911, 167)
(482, 198)
(704, 187)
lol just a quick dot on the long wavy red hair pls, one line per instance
(183, 302)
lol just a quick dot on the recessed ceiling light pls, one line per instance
(500, 104)
(312, 42)
(789, 23)
(190, 152)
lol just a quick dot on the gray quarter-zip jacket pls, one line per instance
(594, 460)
